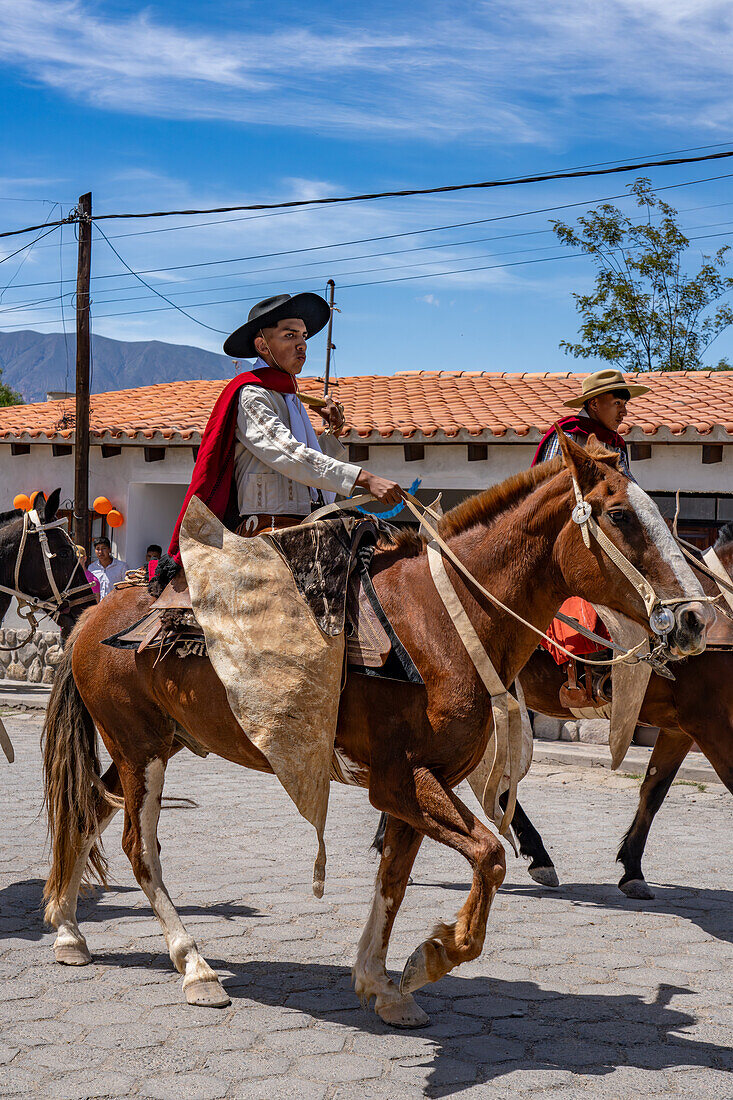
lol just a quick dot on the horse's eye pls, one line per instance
(618, 515)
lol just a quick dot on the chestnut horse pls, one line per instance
(410, 745)
(696, 706)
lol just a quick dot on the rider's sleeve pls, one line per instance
(261, 429)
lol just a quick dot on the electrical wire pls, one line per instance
(156, 292)
(41, 302)
(543, 177)
(342, 286)
(394, 236)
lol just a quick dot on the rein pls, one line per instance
(29, 606)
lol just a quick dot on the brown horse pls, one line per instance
(696, 706)
(410, 745)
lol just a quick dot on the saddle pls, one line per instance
(332, 573)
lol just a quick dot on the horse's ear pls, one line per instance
(598, 450)
(51, 506)
(577, 460)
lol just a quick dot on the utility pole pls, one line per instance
(82, 533)
(331, 286)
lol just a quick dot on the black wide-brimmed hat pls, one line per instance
(311, 309)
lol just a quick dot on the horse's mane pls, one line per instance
(5, 517)
(491, 503)
(479, 509)
(725, 536)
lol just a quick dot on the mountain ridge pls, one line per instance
(35, 363)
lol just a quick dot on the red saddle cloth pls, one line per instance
(568, 637)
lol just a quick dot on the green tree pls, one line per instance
(646, 313)
(8, 396)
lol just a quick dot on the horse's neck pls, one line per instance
(513, 559)
(9, 543)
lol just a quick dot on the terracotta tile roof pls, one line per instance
(423, 404)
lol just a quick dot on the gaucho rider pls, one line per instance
(602, 402)
(260, 466)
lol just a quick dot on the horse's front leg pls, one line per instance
(670, 750)
(431, 807)
(399, 846)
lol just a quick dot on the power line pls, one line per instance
(156, 292)
(545, 177)
(394, 236)
(344, 259)
(343, 286)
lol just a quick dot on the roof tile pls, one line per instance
(409, 402)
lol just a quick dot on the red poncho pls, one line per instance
(583, 425)
(212, 480)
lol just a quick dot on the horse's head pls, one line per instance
(31, 566)
(631, 521)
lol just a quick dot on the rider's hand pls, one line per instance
(333, 415)
(388, 492)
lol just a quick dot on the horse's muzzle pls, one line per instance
(691, 623)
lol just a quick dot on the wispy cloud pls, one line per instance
(470, 69)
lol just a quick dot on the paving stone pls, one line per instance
(338, 1067)
(192, 1086)
(579, 992)
(86, 1086)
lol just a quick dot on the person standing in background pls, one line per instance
(107, 570)
(93, 582)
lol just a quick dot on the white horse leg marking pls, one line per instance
(369, 973)
(200, 982)
(70, 946)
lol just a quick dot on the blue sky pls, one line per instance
(168, 106)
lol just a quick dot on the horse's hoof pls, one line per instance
(207, 994)
(545, 876)
(637, 888)
(403, 1013)
(72, 954)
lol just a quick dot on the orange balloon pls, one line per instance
(115, 518)
(102, 506)
(22, 501)
(34, 495)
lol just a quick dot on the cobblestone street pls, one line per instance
(580, 992)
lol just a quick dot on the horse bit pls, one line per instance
(29, 605)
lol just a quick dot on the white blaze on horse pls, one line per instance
(409, 744)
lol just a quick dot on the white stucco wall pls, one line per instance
(123, 479)
(149, 495)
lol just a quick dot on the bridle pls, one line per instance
(68, 597)
(658, 609)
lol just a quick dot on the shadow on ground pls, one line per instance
(21, 908)
(710, 910)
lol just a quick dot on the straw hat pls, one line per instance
(604, 381)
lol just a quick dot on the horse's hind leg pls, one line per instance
(143, 791)
(433, 809)
(531, 847)
(399, 846)
(70, 947)
(669, 751)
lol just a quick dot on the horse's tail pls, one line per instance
(378, 843)
(71, 778)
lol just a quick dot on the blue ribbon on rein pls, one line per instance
(393, 511)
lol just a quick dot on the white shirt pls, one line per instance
(278, 459)
(108, 576)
